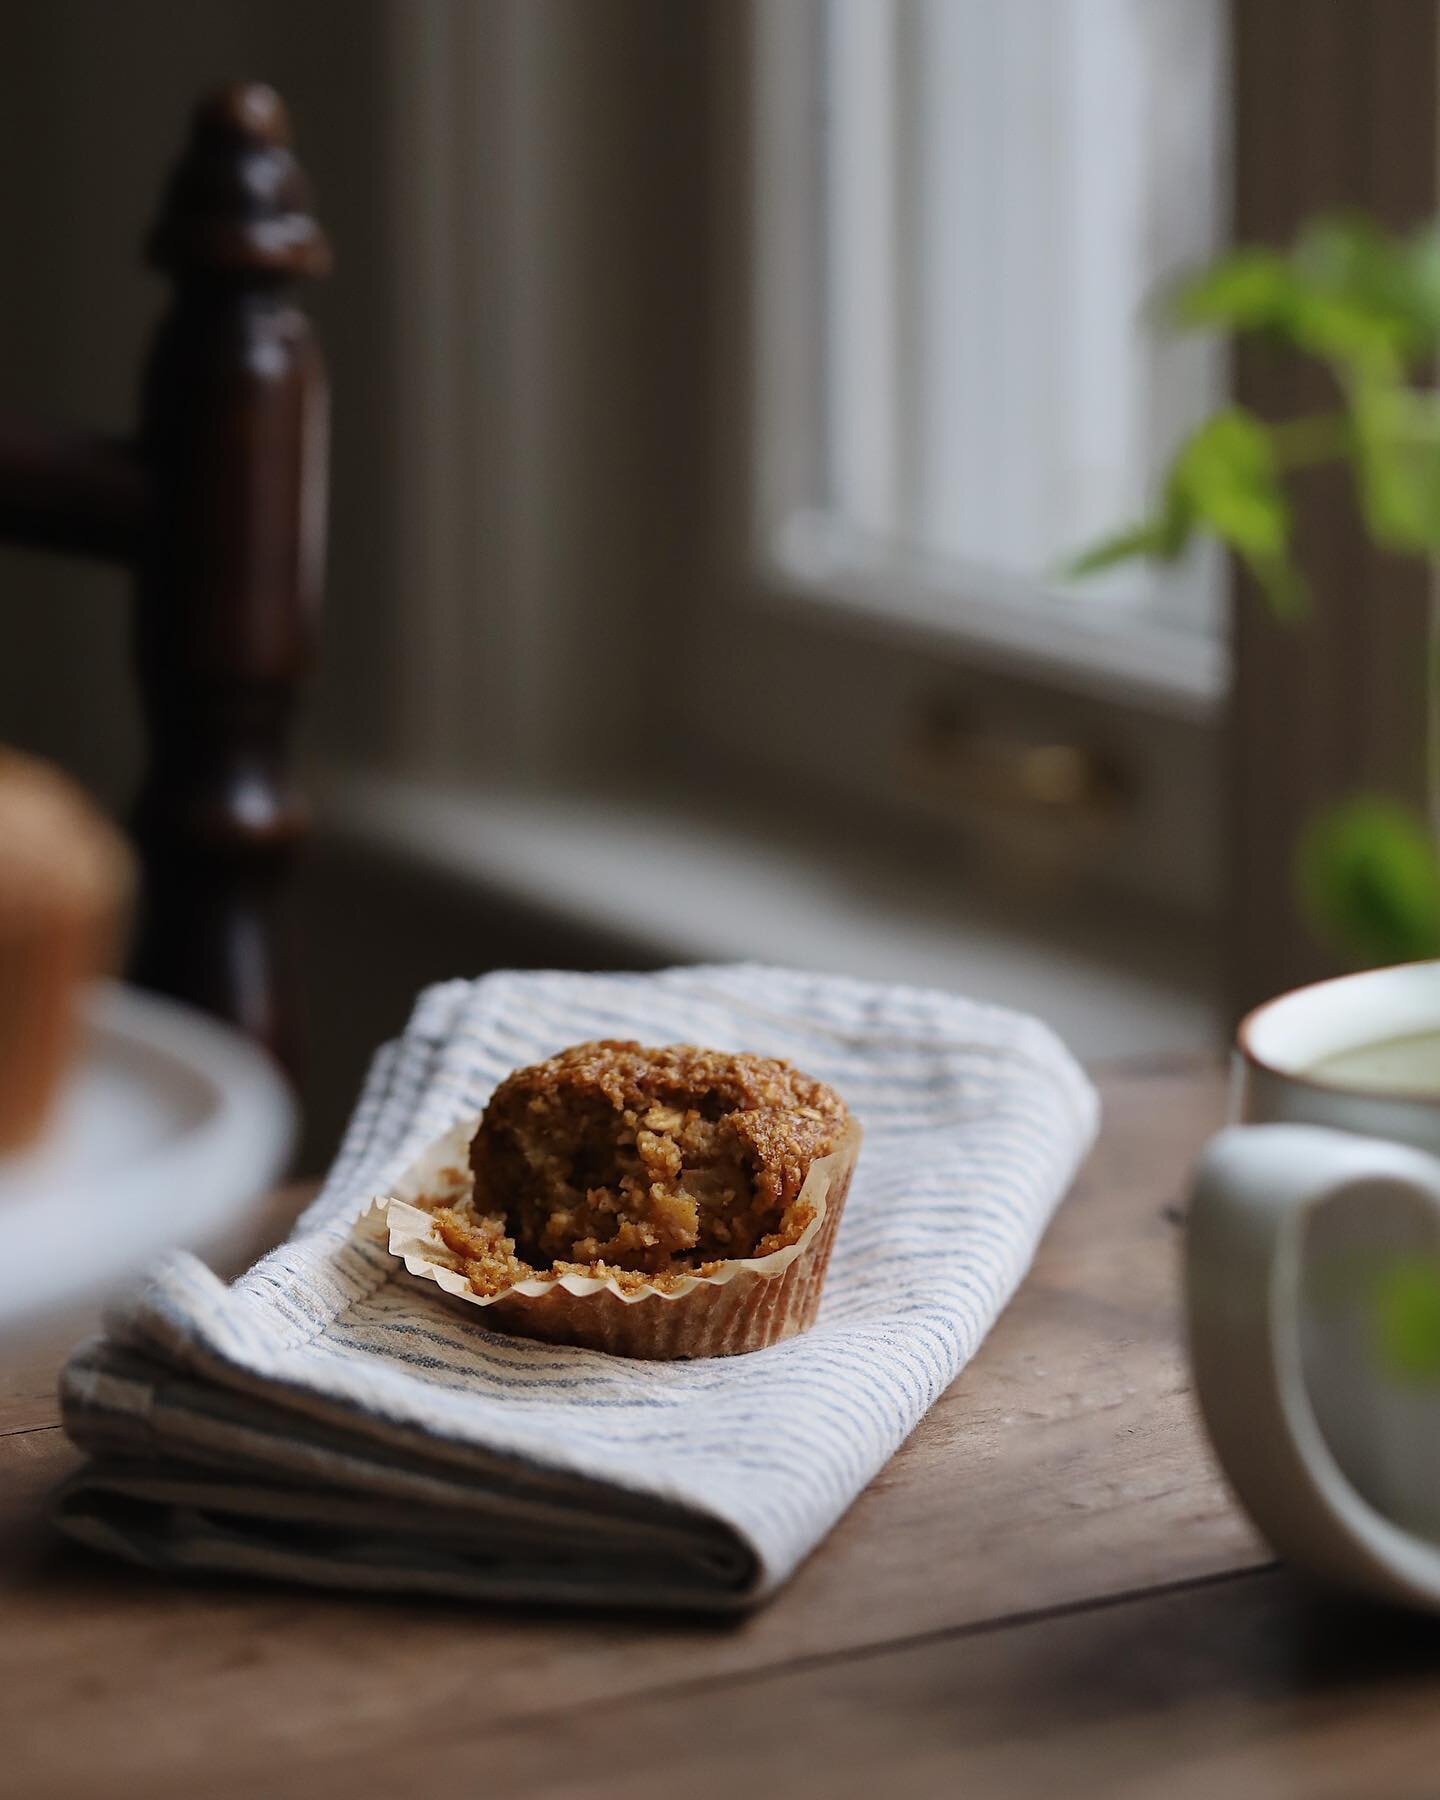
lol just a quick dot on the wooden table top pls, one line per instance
(1047, 1590)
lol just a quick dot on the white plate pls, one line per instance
(169, 1126)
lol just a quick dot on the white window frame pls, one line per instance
(808, 556)
(836, 628)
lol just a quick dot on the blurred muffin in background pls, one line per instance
(66, 879)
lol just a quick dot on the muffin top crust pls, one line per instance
(639, 1164)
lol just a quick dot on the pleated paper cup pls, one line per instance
(748, 1304)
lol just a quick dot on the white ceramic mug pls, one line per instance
(1300, 1212)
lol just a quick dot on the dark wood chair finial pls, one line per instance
(249, 109)
(239, 201)
(233, 438)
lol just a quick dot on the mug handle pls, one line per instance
(1252, 1192)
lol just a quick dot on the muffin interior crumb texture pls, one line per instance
(643, 1165)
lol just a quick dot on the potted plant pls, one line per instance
(1365, 304)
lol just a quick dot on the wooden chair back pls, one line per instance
(218, 506)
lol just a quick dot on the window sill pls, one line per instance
(673, 884)
(1112, 652)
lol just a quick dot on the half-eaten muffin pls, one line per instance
(658, 1202)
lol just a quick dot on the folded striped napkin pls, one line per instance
(330, 1419)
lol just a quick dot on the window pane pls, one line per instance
(1003, 189)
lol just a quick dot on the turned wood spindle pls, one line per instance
(229, 565)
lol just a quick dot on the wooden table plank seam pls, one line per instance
(880, 1648)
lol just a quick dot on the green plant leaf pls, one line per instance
(1144, 539)
(1423, 270)
(1227, 478)
(1227, 474)
(1349, 293)
(1176, 522)
(1365, 302)
(1245, 290)
(1353, 295)
(1395, 452)
(1370, 883)
(1392, 282)
(1407, 1318)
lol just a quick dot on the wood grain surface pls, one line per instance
(1048, 1588)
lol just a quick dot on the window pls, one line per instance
(693, 472)
(979, 203)
(960, 212)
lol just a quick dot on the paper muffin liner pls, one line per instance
(749, 1303)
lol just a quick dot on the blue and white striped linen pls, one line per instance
(328, 1418)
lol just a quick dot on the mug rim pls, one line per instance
(1305, 1078)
